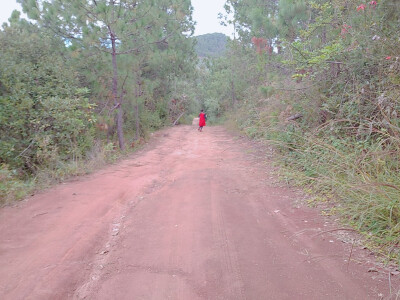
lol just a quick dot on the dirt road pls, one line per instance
(191, 216)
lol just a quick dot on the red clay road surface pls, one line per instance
(191, 216)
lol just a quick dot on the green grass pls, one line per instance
(14, 187)
(11, 187)
(358, 177)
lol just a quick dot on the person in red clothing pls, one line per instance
(202, 120)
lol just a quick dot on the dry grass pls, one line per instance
(358, 172)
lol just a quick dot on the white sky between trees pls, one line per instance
(205, 13)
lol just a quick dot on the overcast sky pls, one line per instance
(205, 14)
(6, 8)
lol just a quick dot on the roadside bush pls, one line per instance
(11, 187)
(44, 115)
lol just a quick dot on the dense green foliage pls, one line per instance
(211, 45)
(321, 80)
(85, 76)
(128, 29)
(44, 113)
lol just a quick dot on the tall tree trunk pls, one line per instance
(233, 94)
(137, 134)
(138, 94)
(120, 131)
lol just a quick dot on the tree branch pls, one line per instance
(138, 48)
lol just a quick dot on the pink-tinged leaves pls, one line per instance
(345, 29)
(262, 45)
(361, 7)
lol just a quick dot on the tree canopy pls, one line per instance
(114, 27)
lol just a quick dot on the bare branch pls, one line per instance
(25, 149)
(140, 47)
(294, 117)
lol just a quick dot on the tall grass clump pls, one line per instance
(362, 176)
(352, 163)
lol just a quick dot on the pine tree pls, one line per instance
(114, 27)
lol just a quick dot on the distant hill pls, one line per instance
(211, 44)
